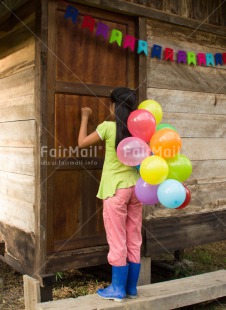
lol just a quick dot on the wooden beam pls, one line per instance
(133, 9)
(80, 258)
(83, 89)
(32, 294)
(191, 230)
(41, 52)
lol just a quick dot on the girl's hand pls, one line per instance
(86, 112)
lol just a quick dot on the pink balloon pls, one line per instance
(141, 123)
(146, 193)
(132, 150)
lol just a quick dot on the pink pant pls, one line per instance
(122, 215)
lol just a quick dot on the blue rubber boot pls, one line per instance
(117, 290)
(132, 279)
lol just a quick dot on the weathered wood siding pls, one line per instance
(210, 11)
(194, 101)
(17, 141)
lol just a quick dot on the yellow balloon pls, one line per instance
(154, 108)
(154, 169)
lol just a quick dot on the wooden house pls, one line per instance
(51, 65)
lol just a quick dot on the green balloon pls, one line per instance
(162, 126)
(180, 168)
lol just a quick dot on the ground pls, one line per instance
(86, 281)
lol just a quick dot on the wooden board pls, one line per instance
(208, 194)
(17, 160)
(174, 294)
(19, 60)
(144, 11)
(17, 186)
(175, 76)
(165, 235)
(183, 38)
(197, 125)
(17, 96)
(19, 248)
(97, 55)
(17, 134)
(204, 148)
(77, 217)
(17, 213)
(68, 111)
(208, 169)
(179, 101)
(18, 37)
(77, 259)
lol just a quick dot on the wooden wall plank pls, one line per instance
(17, 134)
(124, 7)
(204, 148)
(208, 169)
(213, 7)
(182, 38)
(199, 10)
(17, 186)
(17, 213)
(207, 195)
(197, 125)
(18, 37)
(223, 14)
(19, 60)
(188, 101)
(17, 96)
(185, 8)
(174, 7)
(17, 160)
(183, 77)
(19, 248)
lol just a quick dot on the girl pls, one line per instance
(122, 212)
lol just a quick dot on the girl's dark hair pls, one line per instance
(125, 102)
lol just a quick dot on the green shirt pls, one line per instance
(115, 174)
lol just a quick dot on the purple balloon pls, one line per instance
(132, 150)
(146, 193)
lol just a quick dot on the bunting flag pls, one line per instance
(140, 46)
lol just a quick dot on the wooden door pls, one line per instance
(83, 68)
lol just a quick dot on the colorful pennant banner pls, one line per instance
(141, 46)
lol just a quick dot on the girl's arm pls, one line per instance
(85, 140)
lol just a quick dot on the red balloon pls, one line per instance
(187, 199)
(141, 124)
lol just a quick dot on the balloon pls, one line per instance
(153, 107)
(171, 194)
(165, 143)
(154, 170)
(138, 167)
(162, 126)
(141, 123)
(146, 193)
(131, 151)
(187, 199)
(180, 168)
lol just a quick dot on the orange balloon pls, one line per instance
(165, 143)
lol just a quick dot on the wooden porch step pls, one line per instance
(162, 296)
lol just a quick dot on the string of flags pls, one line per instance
(141, 46)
